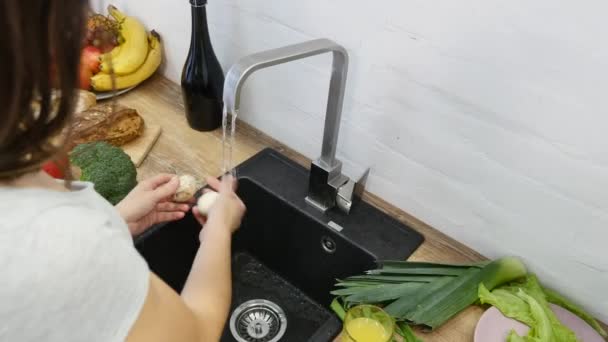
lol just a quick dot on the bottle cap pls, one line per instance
(198, 3)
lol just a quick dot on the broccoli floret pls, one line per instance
(106, 166)
(84, 155)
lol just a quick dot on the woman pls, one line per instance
(69, 270)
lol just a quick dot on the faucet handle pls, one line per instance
(351, 190)
(344, 199)
(361, 183)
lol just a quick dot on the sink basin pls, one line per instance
(285, 251)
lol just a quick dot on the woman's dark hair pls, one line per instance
(40, 44)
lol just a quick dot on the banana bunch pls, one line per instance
(133, 61)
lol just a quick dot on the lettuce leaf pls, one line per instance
(542, 331)
(513, 337)
(526, 302)
(532, 287)
(508, 303)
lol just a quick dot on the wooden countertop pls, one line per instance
(183, 150)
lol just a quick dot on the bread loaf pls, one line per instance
(110, 122)
(84, 100)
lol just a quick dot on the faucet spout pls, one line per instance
(246, 66)
(326, 177)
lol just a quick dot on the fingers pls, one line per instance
(197, 215)
(228, 184)
(171, 206)
(169, 216)
(156, 181)
(167, 189)
(214, 183)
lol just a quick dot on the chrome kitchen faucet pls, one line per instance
(327, 186)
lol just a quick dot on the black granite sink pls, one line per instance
(285, 251)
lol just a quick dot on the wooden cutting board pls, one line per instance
(139, 148)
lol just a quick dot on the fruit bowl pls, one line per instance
(119, 54)
(102, 95)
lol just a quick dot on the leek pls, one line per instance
(405, 331)
(382, 293)
(426, 294)
(404, 306)
(428, 265)
(395, 279)
(449, 300)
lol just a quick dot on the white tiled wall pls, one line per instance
(485, 119)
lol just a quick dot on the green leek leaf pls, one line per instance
(382, 293)
(393, 278)
(448, 300)
(353, 290)
(405, 331)
(439, 271)
(402, 306)
(430, 265)
(462, 291)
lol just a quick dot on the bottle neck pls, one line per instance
(200, 30)
(198, 2)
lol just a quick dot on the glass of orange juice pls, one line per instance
(367, 323)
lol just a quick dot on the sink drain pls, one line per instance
(258, 320)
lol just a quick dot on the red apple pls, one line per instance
(56, 167)
(90, 58)
(52, 169)
(85, 75)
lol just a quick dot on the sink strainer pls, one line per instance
(258, 320)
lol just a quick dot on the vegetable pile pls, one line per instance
(106, 166)
(429, 294)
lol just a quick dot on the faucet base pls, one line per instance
(366, 225)
(324, 185)
(316, 204)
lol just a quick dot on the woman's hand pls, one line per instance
(150, 202)
(227, 211)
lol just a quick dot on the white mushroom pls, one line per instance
(186, 190)
(206, 201)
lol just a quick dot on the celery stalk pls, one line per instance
(558, 299)
(338, 309)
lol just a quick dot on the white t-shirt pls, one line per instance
(68, 267)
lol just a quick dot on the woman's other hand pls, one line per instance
(150, 202)
(227, 211)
